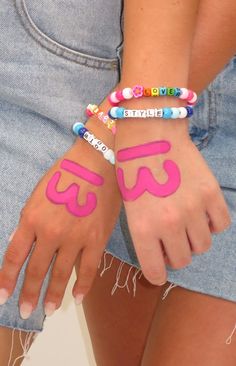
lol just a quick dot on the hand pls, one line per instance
(62, 229)
(172, 200)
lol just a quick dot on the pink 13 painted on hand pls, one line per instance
(69, 196)
(145, 181)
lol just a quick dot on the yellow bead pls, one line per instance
(155, 92)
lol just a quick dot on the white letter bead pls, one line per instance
(158, 113)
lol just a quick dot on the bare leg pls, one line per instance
(11, 339)
(119, 323)
(190, 328)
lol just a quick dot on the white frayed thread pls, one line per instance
(172, 285)
(118, 274)
(229, 339)
(25, 346)
(105, 263)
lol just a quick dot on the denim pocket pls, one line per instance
(85, 32)
(203, 125)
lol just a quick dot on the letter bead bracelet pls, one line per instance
(139, 91)
(80, 130)
(93, 109)
(166, 113)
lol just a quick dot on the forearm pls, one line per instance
(157, 41)
(214, 41)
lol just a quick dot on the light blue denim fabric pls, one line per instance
(56, 57)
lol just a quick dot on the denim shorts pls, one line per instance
(56, 57)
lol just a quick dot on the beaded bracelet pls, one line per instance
(93, 109)
(80, 130)
(139, 91)
(166, 113)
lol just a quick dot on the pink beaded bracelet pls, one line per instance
(139, 91)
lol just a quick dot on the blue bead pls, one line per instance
(82, 131)
(167, 112)
(177, 92)
(163, 91)
(113, 112)
(120, 113)
(76, 127)
(190, 111)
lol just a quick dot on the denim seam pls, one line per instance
(59, 49)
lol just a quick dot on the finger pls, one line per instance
(199, 233)
(60, 275)
(151, 260)
(177, 248)
(86, 272)
(14, 258)
(219, 215)
(35, 273)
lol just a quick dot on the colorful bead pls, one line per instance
(162, 91)
(177, 92)
(189, 111)
(138, 91)
(175, 113)
(167, 112)
(147, 92)
(154, 92)
(184, 93)
(119, 95)
(193, 100)
(113, 99)
(171, 92)
(93, 109)
(182, 112)
(127, 93)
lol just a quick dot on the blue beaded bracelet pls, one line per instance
(166, 113)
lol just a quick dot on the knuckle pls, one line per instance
(52, 232)
(86, 273)
(34, 272)
(60, 275)
(209, 190)
(12, 256)
(170, 219)
(30, 219)
(181, 262)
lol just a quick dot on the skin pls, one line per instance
(218, 64)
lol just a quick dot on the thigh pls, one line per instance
(190, 328)
(14, 346)
(119, 324)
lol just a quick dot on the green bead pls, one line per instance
(171, 91)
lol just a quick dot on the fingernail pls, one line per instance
(25, 310)
(12, 234)
(49, 308)
(3, 296)
(79, 299)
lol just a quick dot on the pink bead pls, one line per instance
(190, 95)
(89, 113)
(113, 130)
(119, 95)
(184, 94)
(112, 99)
(193, 100)
(138, 91)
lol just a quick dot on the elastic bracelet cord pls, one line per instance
(139, 91)
(80, 130)
(166, 113)
(93, 109)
